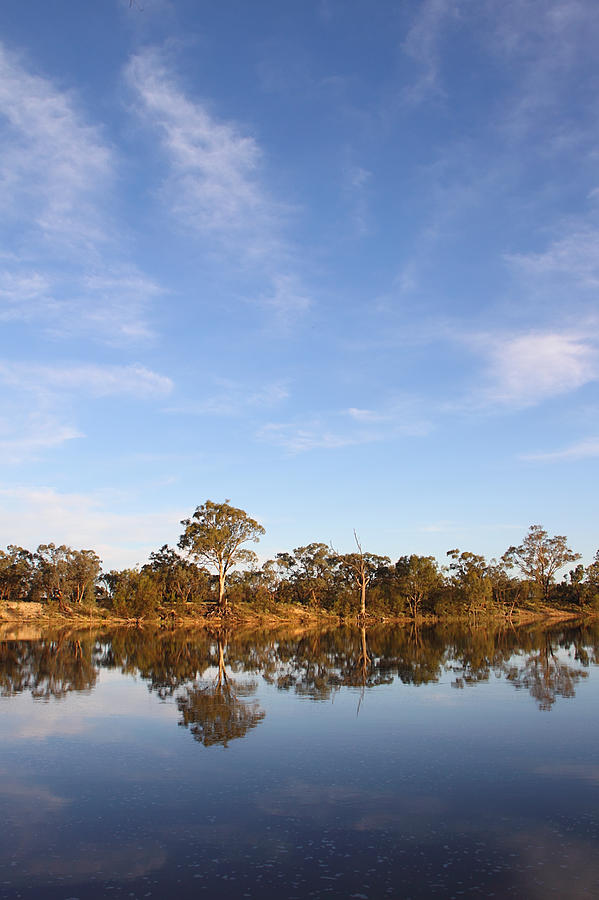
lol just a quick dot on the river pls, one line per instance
(393, 762)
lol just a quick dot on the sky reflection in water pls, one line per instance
(396, 763)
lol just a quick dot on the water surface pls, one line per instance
(394, 763)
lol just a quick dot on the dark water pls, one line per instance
(397, 763)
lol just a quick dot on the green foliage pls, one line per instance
(360, 570)
(178, 579)
(472, 583)
(315, 576)
(16, 573)
(133, 594)
(418, 578)
(215, 535)
(309, 573)
(51, 573)
(539, 557)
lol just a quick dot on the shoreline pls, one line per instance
(245, 616)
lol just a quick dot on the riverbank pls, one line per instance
(245, 615)
(51, 614)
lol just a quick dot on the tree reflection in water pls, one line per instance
(49, 668)
(216, 713)
(545, 677)
(196, 669)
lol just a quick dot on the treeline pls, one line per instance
(49, 573)
(213, 567)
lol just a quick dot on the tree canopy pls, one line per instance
(540, 556)
(215, 535)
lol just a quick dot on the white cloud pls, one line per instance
(358, 177)
(36, 414)
(438, 528)
(214, 181)
(545, 47)
(97, 380)
(53, 162)
(25, 435)
(215, 184)
(366, 415)
(21, 292)
(310, 436)
(33, 515)
(110, 306)
(548, 36)
(286, 299)
(574, 257)
(527, 369)
(585, 449)
(116, 301)
(542, 45)
(231, 398)
(422, 45)
(347, 428)
(400, 417)
(63, 267)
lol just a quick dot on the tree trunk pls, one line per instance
(222, 600)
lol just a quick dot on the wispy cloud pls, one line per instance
(313, 435)
(111, 305)
(286, 299)
(543, 43)
(585, 449)
(231, 398)
(573, 258)
(62, 267)
(422, 45)
(35, 514)
(25, 435)
(439, 528)
(368, 416)
(54, 163)
(355, 183)
(347, 428)
(97, 380)
(540, 44)
(22, 293)
(215, 184)
(36, 412)
(524, 370)
(400, 417)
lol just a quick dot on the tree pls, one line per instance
(539, 557)
(52, 577)
(16, 572)
(179, 580)
(362, 567)
(310, 571)
(84, 569)
(132, 593)
(507, 590)
(418, 577)
(215, 535)
(590, 586)
(472, 581)
(64, 574)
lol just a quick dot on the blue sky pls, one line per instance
(335, 261)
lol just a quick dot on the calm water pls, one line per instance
(341, 764)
